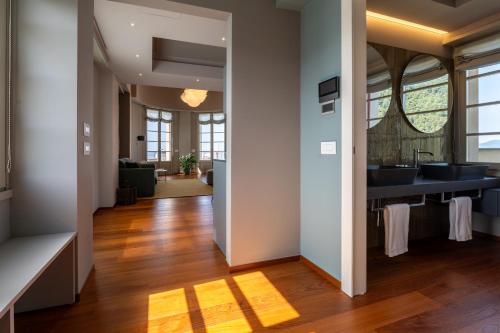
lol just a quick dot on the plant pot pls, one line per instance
(187, 171)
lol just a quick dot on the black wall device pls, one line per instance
(140, 138)
(329, 90)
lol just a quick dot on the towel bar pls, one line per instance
(444, 200)
(379, 208)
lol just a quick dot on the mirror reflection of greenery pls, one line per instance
(381, 105)
(434, 98)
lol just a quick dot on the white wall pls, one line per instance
(85, 114)
(45, 134)
(137, 127)
(107, 115)
(4, 220)
(53, 98)
(219, 205)
(263, 125)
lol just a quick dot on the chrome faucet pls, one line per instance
(416, 156)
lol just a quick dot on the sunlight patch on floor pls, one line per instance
(221, 312)
(169, 312)
(266, 301)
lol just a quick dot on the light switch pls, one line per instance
(86, 148)
(329, 148)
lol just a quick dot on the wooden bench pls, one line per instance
(36, 272)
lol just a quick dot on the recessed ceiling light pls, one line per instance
(197, 80)
(132, 24)
(140, 74)
(223, 39)
(137, 55)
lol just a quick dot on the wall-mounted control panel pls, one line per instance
(328, 92)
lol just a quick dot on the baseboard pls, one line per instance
(260, 264)
(483, 235)
(318, 270)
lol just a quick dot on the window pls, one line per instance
(482, 107)
(212, 128)
(159, 136)
(5, 46)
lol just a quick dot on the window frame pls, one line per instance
(158, 122)
(211, 122)
(461, 119)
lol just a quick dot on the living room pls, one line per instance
(170, 112)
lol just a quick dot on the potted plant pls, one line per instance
(187, 162)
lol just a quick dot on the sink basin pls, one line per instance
(383, 175)
(445, 171)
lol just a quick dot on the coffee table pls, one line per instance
(162, 173)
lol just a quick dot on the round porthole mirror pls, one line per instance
(426, 94)
(379, 87)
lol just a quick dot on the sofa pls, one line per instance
(140, 175)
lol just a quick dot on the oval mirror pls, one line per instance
(426, 93)
(379, 87)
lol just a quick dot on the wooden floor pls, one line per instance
(157, 270)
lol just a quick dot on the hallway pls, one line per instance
(157, 270)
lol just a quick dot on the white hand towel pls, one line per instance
(397, 224)
(461, 219)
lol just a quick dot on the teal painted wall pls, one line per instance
(320, 174)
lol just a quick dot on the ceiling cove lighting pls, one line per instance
(404, 22)
(194, 97)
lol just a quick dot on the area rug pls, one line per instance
(177, 188)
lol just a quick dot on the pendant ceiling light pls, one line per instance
(194, 97)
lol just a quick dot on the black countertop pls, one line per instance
(430, 186)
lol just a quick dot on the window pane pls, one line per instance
(166, 156)
(152, 156)
(205, 137)
(219, 155)
(219, 146)
(165, 137)
(205, 128)
(218, 116)
(166, 116)
(219, 128)
(165, 146)
(483, 89)
(152, 126)
(483, 70)
(484, 148)
(219, 136)
(152, 146)
(204, 156)
(204, 146)
(152, 136)
(166, 127)
(483, 119)
(204, 117)
(153, 114)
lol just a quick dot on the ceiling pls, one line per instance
(179, 37)
(440, 14)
